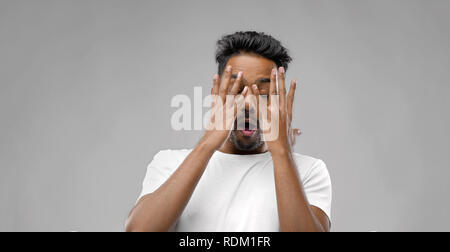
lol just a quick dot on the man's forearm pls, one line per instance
(295, 213)
(160, 210)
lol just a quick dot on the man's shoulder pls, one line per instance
(306, 164)
(305, 158)
(176, 152)
(171, 156)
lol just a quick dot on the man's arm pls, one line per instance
(295, 212)
(160, 210)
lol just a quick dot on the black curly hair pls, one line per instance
(251, 42)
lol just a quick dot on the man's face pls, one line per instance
(256, 70)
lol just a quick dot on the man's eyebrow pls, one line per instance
(259, 80)
(263, 80)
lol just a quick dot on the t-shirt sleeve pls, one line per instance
(317, 186)
(158, 171)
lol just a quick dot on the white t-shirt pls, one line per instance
(237, 192)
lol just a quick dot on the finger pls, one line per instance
(225, 82)
(240, 102)
(264, 114)
(257, 95)
(273, 84)
(215, 89)
(282, 87)
(295, 134)
(290, 98)
(255, 90)
(237, 84)
(242, 96)
(216, 85)
(245, 91)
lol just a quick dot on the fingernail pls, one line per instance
(282, 70)
(244, 92)
(254, 87)
(216, 76)
(239, 75)
(274, 71)
(228, 68)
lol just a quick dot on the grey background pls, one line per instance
(85, 89)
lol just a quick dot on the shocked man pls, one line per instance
(248, 178)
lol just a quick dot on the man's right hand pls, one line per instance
(223, 109)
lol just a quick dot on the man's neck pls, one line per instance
(229, 148)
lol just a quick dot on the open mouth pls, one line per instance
(249, 129)
(248, 133)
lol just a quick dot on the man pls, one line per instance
(239, 179)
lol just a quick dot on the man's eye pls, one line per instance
(263, 92)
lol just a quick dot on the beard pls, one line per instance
(246, 143)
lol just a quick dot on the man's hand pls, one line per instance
(294, 211)
(160, 210)
(223, 109)
(277, 130)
